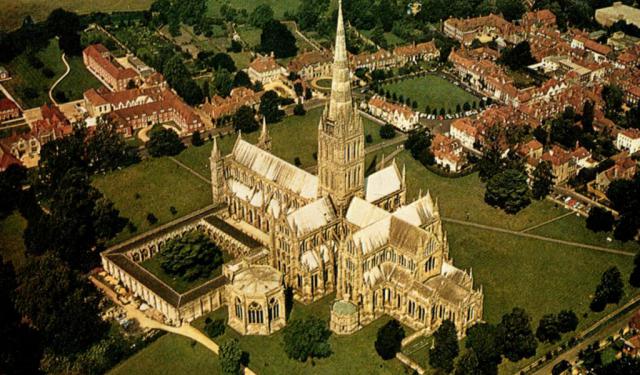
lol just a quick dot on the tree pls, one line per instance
(567, 321)
(299, 110)
(106, 149)
(445, 349)
(307, 338)
(277, 38)
(215, 328)
(222, 61)
(508, 190)
(468, 364)
(387, 131)
(587, 116)
(269, 107)
(196, 139)
(515, 337)
(542, 180)
(626, 365)
(298, 89)
(610, 289)
(634, 278)
(548, 329)
(164, 142)
(230, 357)
(241, 79)
(190, 256)
(518, 57)
(600, 220)
(59, 304)
(613, 100)
(389, 339)
(511, 9)
(482, 338)
(261, 15)
(245, 120)
(223, 82)
(107, 222)
(11, 181)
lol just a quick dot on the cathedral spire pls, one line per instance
(340, 106)
(264, 141)
(215, 151)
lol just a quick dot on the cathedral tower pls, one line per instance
(341, 134)
(264, 141)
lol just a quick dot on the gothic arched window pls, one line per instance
(239, 308)
(255, 313)
(274, 309)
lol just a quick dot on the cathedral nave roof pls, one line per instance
(417, 213)
(314, 215)
(362, 213)
(275, 169)
(383, 183)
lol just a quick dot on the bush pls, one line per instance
(368, 138)
(299, 110)
(215, 328)
(191, 256)
(600, 220)
(307, 338)
(387, 131)
(164, 142)
(196, 139)
(173, 210)
(297, 161)
(151, 218)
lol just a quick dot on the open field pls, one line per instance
(294, 136)
(78, 81)
(160, 184)
(432, 91)
(179, 284)
(278, 6)
(13, 12)
(170, 354)
(11, 243)
(249, 34)
(26, 77)
(352, 354)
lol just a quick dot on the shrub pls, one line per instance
(297, 161)
(387, 131)
(151, 218)
(368, 138)
(215, 328)
(173, 210)
(299, 110)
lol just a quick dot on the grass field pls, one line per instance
(78, 81)
(11, 243)
(170, 355)
(25, 76)
(13, 12)
(432, 91)
(160, 183)
(278, 6)
(352, 354)
(179, 284)
(250, 34)
(295, 136)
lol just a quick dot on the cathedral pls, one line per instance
(341, 231)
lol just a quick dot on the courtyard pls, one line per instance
(433, 91)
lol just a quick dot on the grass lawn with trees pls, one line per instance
(249, 34)
(12, 246)
(78, 81)
(168, 355)
(294, 136)
(278, 6)
(153, 186)
(352, 354)
(431, 90)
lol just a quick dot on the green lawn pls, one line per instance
(432, 91)
(295, 136)
(78, 81)
(278, 6)
(574, 227)
(170, 355)
(13, 12)
(250, 34)
(11, 244)
(160, 183)
(27, 77)
(179, 284)
(353, 354)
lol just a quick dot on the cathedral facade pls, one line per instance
(341, 231)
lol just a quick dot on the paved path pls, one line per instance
(541, 238)
(313, 44)
(193, 172)
(547, 222)
(66, 73)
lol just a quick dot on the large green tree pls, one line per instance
(244, 120)
(482, 338)
(261, 15)
(269, 107)
(548, 329)
(600, 219)
(389, 339)
(542, 180)
(307, 338)
(610, 289)
(508, 190)
(106, 149)
(277, 38)
(515, 337)
(468, 364)
(230, 358)
(190, 256)
(62, 306)
(613, 100)
(164, 142)
(445, 348)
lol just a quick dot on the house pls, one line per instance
(413, 53)
(532, 149)
(106, 68)
(599, 52)
(398, 115)
(135, 109)
(609, 15)
(623, 168)
(4, 74)
(629, 139)
(265, 69)
(448, 153)
(53, 125)
(540, 19)
(220, 108)
(312, 64)
(381, 59)
(484, 28)
(6, 158)
(8, 109)
(25, 147)
(562, 162)
(464, 131)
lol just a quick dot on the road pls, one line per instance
(66, 73)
